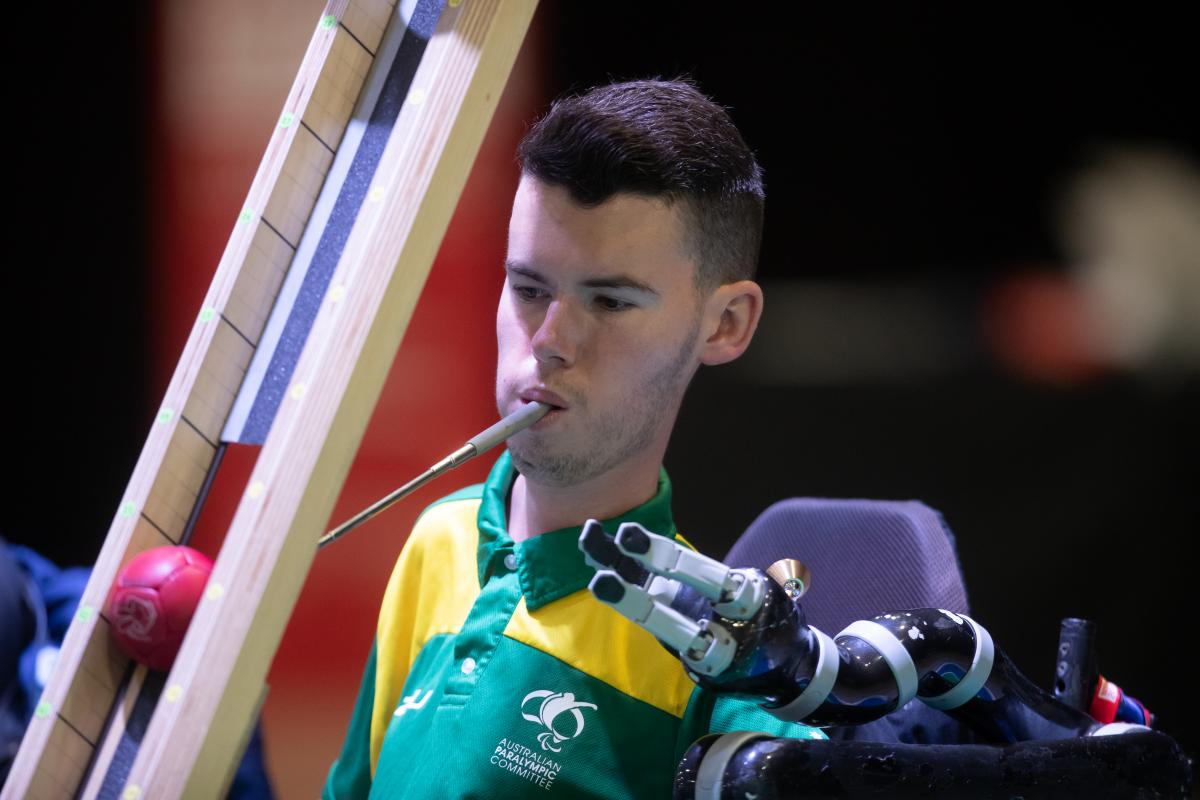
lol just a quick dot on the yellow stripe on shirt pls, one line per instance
(630, 659)
(440, 578)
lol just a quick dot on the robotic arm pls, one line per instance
(738, 631)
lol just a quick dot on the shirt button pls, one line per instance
(510, 561)
(468, 666)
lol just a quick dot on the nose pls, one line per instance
(558, 337)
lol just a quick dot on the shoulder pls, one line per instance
(448, 522)
(435, 579)
(441, 546)
(472, 492)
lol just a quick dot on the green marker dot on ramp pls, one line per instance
(285, 121)
(328, 21)
(85, 613)
(43, 710)
(165, 415)
(206, 314)
(128, 509)
(246, 216)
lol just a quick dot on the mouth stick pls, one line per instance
(514, 423)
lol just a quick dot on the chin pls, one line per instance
(556, 469)
(539, 467)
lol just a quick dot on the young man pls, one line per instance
(632, 247)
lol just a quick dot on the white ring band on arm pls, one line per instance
(823, 679)
(894, 653)
(712, 768)
(1117, 728)
(977, 675)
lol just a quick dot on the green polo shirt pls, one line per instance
(495, 673)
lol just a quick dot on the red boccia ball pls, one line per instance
(153, 600)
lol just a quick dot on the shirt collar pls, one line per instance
(550, 565)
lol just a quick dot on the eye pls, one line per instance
(528, 294)
(612, 303)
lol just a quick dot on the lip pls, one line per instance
(543, 396)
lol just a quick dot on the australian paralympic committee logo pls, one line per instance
(558, 712)
(562, 717)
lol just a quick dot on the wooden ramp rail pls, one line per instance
(77, 742)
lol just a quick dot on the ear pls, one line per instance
(731, 316)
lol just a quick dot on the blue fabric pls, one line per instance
(51, 596)
(17, 622)
(36, 606)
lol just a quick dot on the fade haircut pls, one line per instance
(665, 140)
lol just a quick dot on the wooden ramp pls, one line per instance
(342, 223)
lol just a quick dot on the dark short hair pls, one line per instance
(661, 139)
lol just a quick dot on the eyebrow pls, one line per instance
(606, 282)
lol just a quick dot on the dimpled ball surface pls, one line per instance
(153, 600)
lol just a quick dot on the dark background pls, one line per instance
(900, 146)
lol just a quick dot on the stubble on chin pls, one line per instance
(541, 465)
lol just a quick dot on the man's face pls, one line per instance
(599, 316)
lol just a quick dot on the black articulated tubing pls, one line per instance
(1146, 764)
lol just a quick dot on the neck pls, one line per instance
(537, 508)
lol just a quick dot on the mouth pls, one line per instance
(551, 399)
(558, 406)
